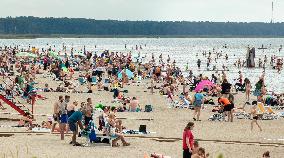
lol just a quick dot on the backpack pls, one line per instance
(148, 108)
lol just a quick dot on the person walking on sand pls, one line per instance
(187, 140)
(254, 117)
(198, 102)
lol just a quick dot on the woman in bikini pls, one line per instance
(254, 117)
(248, 88)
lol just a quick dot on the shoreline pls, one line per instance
(35, 36)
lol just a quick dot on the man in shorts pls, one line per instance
(74, 120)
(63, 115)
(227, 107)
(56, 111)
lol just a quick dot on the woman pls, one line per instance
(114, 132)
(198, 101)
(248, 88)
(254, 117)
(259, 89)
(226, 88)
(187, 140)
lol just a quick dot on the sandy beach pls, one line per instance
(231, 139)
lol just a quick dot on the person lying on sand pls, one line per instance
(26, 122)
(200, 154)
(159, 156)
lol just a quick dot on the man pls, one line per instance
(89, 112)
(63, 115)
(228, 107)
(56, 110)
(74, 120)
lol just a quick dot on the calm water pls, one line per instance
(182, 50)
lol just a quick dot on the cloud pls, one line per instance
(177, 10)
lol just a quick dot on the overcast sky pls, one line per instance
(174, 10)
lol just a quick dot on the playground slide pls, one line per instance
(14, 106)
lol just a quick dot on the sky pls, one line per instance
(156, 10)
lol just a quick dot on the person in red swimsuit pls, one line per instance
(187, 140)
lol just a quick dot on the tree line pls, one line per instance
(80, 26)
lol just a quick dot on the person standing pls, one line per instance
(198, 101)
(63, 115)
(198, 63)
(248, 88)
(89, 112)
(254, 118)
(226, 88)
(187, 140)
(228, 107)
(56, 111)
(258, 92)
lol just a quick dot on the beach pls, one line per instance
(165, 122)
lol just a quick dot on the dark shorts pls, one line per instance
(63, 118)
(255, 118)
(229, 107)
(186, 153)
(56, 118)
(69, 113)
(72, 126)
(87, 120)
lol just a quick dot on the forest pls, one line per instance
(80, 26)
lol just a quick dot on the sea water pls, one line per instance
(182, 50)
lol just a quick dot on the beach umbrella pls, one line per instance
(54, 54)
(128, 73)
(26, 54)
(202, 84)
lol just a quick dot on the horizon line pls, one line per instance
(267, 22)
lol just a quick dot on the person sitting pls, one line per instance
(266, 154)
(115, 132)
(46, 88)
(134, 105)
(200, 154)
(26, 122)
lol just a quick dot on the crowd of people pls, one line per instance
(111, 72)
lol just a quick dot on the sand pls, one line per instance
(233, 140)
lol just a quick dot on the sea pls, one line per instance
(183, 50)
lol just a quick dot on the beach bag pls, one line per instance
(148, 108)
(93, 136)
(142, 128)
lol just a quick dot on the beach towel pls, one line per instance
(136, 132)
(39, 129)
